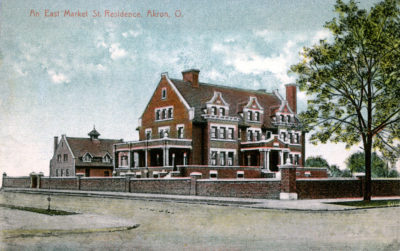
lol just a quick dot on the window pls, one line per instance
(169, 113)
(288, 118)
(230, 159)
(282, 118)
(222, 133)
(257, 116)
(180, 132)
(222, 158)
(258, 135)
(297, 138)
(269, 134)
(213, 132)
(283, 136)
(56, 172)
(221, 111)
(230, 133)
(148, 134)
(87, 158)
(214, 158)
(213, 110)
(290, 137)
(67, 172)
(164, 113)
(163, 132)
(249, 136)
(107, 158)
(62, 172)
(296, 159)
(164, 93)
(249, 115)
(240, 174)
(59, 158)
(124, 160)
(291, 158)
(65, 157)
(213, 174)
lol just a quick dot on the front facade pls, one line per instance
(210, 126)
(91, 156)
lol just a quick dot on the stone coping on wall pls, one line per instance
(239, 180)
(326, 179)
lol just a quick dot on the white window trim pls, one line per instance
(166, 112)
(164, 89)
(83, 157)
(146, 131)
(227, 127)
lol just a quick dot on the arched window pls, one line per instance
(213, 110)
(221, 111)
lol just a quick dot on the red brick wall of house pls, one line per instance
(95, 172)
(239, 188)
(180, 113)
(161, 186)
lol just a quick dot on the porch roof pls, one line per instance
(154, 143)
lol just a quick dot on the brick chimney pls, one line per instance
(191, 76)
(55, 143)
(291, 96)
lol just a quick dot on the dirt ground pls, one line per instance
(183, 226)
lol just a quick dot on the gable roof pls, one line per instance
(96, 147)
(197, 97)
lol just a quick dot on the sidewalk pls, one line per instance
(304, 205)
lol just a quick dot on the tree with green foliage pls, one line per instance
(353, 81)
(356, 163)
(317, 161)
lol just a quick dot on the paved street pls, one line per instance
(186, 226)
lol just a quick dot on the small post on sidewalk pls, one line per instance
(288, 182)
(194, 176)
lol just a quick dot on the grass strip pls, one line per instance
(38, 210)
(368, 204)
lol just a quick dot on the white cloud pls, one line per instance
(100, 67)
(131, 33)
(264, 34)
(58, 78)
(116, 52)
(248, 61)
(320, 35)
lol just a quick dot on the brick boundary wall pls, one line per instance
(242, 188)
(114, 184)
(288, 185)
(311, 172)
(65, 183)
(17, 182)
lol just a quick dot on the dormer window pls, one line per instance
(257, 116)
(282, 118)
(87, 157)
(288, 118)
(213, 110)
(164, 93)
(221, 111)
(106, 159)
(249, 115)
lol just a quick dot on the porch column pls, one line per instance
(146, 153)
(266, 159)
(281, 157)
(166, 159)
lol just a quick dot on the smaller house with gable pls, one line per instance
(91, 156)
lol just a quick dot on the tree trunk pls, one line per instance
(368, 162)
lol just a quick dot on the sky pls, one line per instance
(63, 75)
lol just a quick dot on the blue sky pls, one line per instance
(61, 75)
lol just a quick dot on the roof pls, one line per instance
(96, 147)
(235, 97)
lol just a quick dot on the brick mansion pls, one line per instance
(189, 126)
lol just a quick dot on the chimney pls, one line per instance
(55, 143)
(191, 76)
(291, 96)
